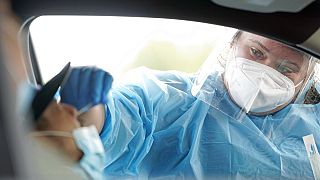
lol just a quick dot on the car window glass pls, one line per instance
(118, 44)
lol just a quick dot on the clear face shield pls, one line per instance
(251, 74)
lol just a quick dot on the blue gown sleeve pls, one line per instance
(151, 102)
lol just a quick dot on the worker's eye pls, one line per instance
(256, 53)
(286, 67)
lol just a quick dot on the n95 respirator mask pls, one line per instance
(256, 87)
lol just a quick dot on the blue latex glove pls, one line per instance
(86, 86)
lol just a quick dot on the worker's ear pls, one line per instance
(94, 116)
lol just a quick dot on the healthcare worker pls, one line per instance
(243, 115)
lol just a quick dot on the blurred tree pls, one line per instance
(166, 55)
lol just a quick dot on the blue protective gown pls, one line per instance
(156, 129)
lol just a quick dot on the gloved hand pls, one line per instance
(86, 86)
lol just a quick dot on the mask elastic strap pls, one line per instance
(299, 83)
(52, 133)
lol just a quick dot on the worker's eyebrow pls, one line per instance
(260, 44)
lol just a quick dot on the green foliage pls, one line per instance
(165, 55)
